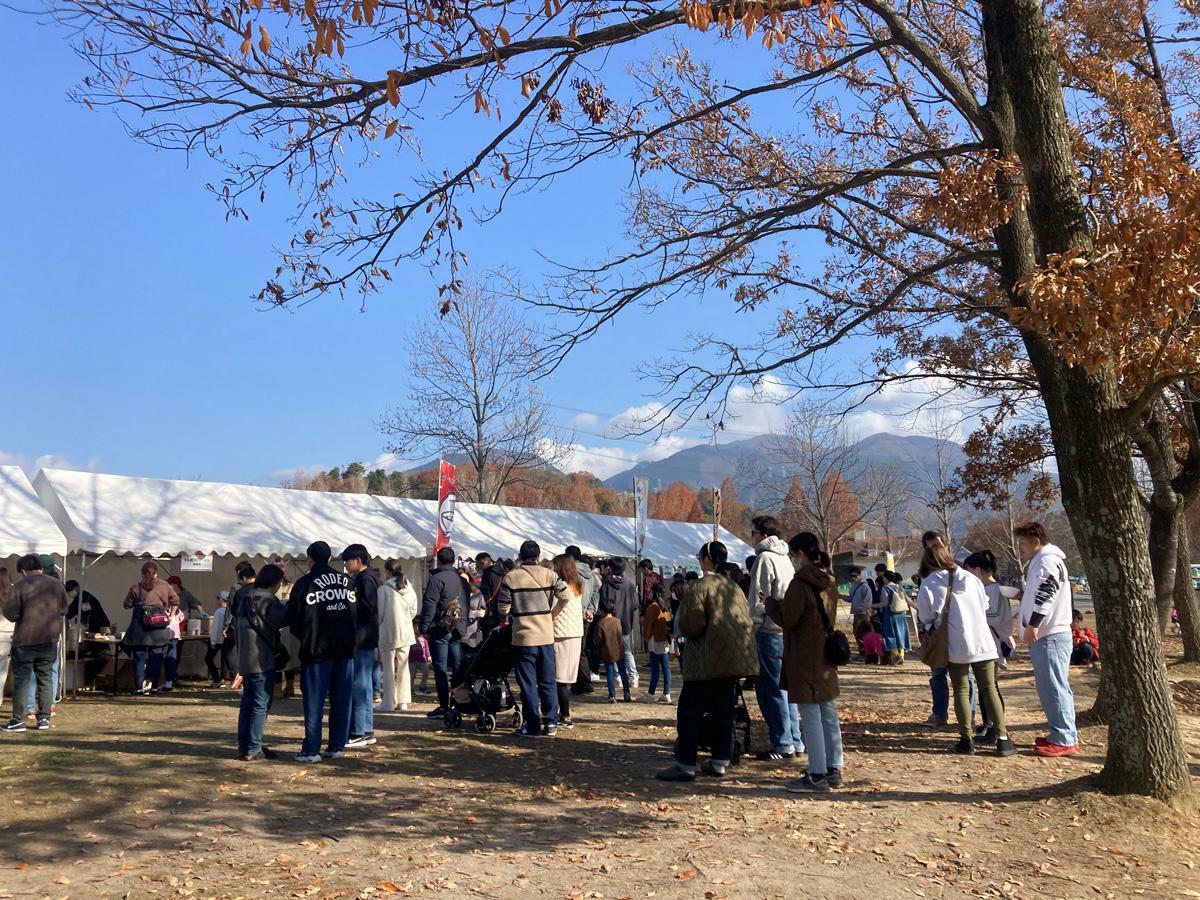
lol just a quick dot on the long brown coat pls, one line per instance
(806, 676)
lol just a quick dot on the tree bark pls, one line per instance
(1088, 426)
(1185, 597)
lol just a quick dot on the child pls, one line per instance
(1086, 646)
(418, 661)
(656, 632)
(873, 646)
(612, 651)
(216, 639)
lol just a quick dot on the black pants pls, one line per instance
(706, 707)
(226, 653)
(1083, 654)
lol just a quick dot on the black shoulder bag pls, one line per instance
(837, 648)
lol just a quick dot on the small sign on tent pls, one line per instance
(200, 562)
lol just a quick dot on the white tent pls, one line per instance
(159, 517)
(25, 526)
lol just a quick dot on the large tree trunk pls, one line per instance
(1185, 598)
(1088, 426)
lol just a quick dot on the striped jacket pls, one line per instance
(527, 595)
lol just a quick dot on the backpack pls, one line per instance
(451, 616)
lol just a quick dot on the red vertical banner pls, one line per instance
(447, 479)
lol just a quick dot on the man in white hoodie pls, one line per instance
(770, 577)
(1046, 628)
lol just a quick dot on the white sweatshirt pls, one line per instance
(773, 572)
(970, 638)
(1047, 592)
(999, 614)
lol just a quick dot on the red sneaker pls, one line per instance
(1040, 742)
(1049, 749)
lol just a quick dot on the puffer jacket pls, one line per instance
(806, 676)
(715, 619)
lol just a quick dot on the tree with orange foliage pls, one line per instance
(678, 502)
(976, 227)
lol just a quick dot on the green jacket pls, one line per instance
(715, 618)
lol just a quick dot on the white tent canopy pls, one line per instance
(159, 517)
(25, 526)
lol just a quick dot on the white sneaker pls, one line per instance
(595, 679)
(404, 707)
(301, 758)
(665, 698)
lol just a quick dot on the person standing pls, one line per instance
(649, 579)
(35, 605)
(397, 607)
(773, 572)
(257, 619)
(808, 676)
(490, 576)
(149, 635)
(6, 629)
(366, 654)
(656, 632)
(528, 597)
(893, 617)
(607, 637)
(321, 613)
(861, 601)
(187, 600)
(715, 620)
(443, 605)
(568, 634)
(589, 604)
(216, 644)
(176, 619)
(1046, 628)
(982, 565)
(953, 598)
(620, 595)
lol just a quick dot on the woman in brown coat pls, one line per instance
(810, 681)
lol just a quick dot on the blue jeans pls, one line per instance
(1051, 658)
(783, 718)
(611, 671)
(147, 664)
(32, 665)
(939, 687)
(31, 699)
(330, 678)
(362, 699)
(377, 679)
(660, 662)
(822, 736)
(171, 661)
(446, 650)
(258, 691)
(539, 691)
(630, 660)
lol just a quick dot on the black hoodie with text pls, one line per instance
(321, 614)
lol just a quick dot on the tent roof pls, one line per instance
(121, 514)
(25, 526)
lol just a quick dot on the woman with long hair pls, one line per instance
(810, 680)
(953, 598)
(397, 607)
(982, 564)
(568, 635)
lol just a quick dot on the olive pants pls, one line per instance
(985, 679)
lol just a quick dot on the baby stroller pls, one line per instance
(481, 688)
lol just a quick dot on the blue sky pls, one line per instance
(130, 325)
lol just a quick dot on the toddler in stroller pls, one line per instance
(481, 687)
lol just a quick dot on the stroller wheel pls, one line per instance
(517, 719)
(453, 718)
(738, 750)
(485, 724)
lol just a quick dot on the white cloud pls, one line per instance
(585, 421)
(46, 461)
(927, 406)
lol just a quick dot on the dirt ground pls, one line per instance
(142, 798)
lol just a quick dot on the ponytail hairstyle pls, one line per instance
(981, 559)
(392, 567)
(937, 555)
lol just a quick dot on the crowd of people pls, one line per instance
(356, 638)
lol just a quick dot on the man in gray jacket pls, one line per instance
(36, 605)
